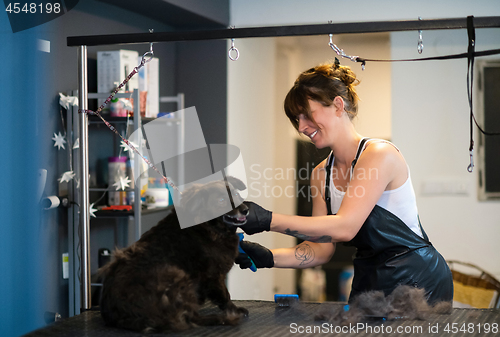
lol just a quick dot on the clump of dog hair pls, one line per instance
(443, 308)
(404, 303)
(409, 303)
(373, 303)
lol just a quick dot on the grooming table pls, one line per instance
(268, 320)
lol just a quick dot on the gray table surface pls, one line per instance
(266, 319)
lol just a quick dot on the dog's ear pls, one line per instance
(237, 184)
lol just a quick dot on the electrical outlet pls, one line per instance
(444, 187)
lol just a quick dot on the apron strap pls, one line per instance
(360, 149)
(327, 184)
(329, 170)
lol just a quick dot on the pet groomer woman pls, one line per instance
(366, 198)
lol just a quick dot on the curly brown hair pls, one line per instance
(322, 84)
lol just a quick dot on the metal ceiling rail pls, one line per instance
(275, 31)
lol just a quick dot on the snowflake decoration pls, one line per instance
(128, 148)
(66, 101)
(59, 140)
(122, 183)
(67, 176)
(92, 210)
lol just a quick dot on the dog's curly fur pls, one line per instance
(404, 303)
(159, 282)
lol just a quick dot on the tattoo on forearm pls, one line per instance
(304, 253)
(319, 239)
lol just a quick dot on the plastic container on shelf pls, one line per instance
(117, 168)
(157, 194)
(130, 195)
(144, 179)
(157, 197)
(118, 107)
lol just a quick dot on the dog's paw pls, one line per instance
(234, 315)
(242, 311)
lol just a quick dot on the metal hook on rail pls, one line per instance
(233, 48)
(470, 168)
(148, 56)
(151, 43)
(420, 44)
(341, 52)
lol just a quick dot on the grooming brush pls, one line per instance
(252, 267)
(286, 300)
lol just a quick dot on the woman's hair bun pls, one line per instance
(335, 70)
(346, 75)
(322, 84)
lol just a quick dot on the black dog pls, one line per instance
(159, 282)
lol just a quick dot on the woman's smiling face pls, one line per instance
(319, 130)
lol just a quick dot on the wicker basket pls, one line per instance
(479, 291)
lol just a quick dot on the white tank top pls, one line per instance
(401, 201)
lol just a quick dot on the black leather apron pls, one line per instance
(390, 254)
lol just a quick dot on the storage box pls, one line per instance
(113, 67)
(149, 80)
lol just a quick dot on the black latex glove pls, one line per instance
(258, 219)
(261, 256)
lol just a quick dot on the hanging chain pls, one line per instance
(148, 56)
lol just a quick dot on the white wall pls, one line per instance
(460, 226)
